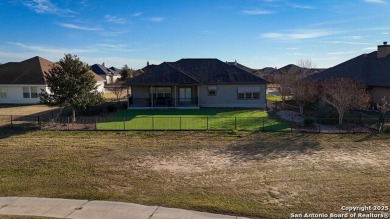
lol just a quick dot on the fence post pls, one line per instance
(180, 122)
(153, 122)
(291, 124)
(95, 122)
(124, 122)
(11, 121)
(68, 122)
(235, 123)
(207, 123)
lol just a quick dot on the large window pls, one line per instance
(34, 92)
(161, 92)
(212, 90)
(3, 92)
(30, 92)
(248, 92)
(26, 92)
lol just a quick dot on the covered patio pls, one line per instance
(173, 96)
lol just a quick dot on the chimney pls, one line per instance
(103, 64)
(235, 62)
(383, 50)
(147, 63)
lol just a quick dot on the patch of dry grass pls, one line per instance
(253, 174)
(24, 110)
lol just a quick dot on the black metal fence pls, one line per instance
(313, 125)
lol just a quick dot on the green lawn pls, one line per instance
(191, 119)
(271, 97)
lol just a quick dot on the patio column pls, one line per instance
(197, 93)
(151, 96)
(175, 96)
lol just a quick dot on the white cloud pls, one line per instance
(297, 35)
(256, 12)
(297, 54)
(292, 48)
(375, 1)
(46, 7)
(303, 7)
(369, 48)
(156, 19)
(112, 46)
(50, 50)
(340, 53)
(136, 14)
(118, 47)
(113, 33)
(114, 19)
(77, 27)
(353, 37)
(345, 42)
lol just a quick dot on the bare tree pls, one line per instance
(305, 67)
(343, 94)
(284, 85)
(383, 107)
(117, 88)
(303, 89)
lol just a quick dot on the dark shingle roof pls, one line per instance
(366, 69)
(100, 69)
(243, 67)
(195, 71)
(163, 74)
(30, 71)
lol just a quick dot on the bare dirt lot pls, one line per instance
(268, 175)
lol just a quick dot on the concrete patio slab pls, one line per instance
(5, 201)
(113, 210)
(47, 207)
(169, 213)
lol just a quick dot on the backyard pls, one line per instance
(254, 174)
(191, 119)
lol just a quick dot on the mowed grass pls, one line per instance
(255, 174)
(192, 119)
(271, 97)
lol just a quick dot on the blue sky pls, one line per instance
(256, 33)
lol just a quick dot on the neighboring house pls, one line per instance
(197, 83)
(109, 74)
(99, 83)
(21, 82)
(243, 67)
(269, 73)
(371, 70)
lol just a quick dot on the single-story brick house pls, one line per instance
(21, 82)
(194, 83)
(371, 70)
